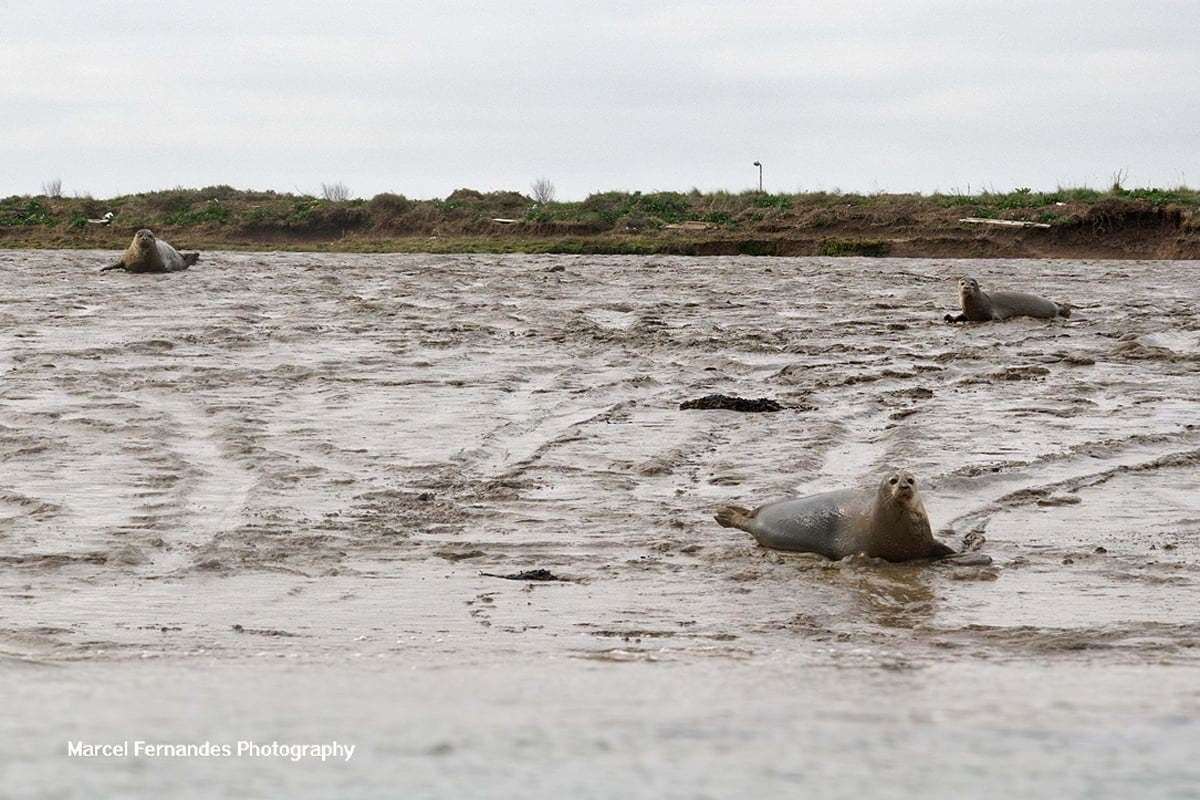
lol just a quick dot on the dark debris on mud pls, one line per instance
(262, 631)
(528, 575)
(725, 402)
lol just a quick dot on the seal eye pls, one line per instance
(892, 481)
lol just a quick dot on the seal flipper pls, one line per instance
(940, 550)
(1064, 309)
(118, 265)
(959, 318)
(190, 258)
(734, 517)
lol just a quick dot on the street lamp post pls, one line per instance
(759, 165)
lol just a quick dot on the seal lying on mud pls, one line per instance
(148, 254)
(978, 306)
(889, 523)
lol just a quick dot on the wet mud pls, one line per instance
(323, 457)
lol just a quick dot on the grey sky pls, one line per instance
(424, 97)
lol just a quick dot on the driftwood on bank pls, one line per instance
(1008, 223)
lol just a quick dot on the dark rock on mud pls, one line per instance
(726, 402)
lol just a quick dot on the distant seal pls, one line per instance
(888, 523)
(149, 254)
(979, 306)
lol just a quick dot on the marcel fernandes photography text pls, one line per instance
(137, 748)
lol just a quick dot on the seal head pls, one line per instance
(898, 491)
(144, 244)
(973, 301)
(900, 529)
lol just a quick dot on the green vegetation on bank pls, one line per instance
(747, 222)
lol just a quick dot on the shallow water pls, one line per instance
(328, 450)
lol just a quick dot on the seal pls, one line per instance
(149, 254)
(888, 523)
(979, 306)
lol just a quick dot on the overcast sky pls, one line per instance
(424, 97)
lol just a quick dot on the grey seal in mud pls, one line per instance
(888, 523)
(146, 253)
(980, 306)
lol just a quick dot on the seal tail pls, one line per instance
(190, 258)
(734, 517)
(1064, 309)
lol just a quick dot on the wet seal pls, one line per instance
(147, 253)
(980, 306)
(889, 523)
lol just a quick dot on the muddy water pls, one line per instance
(255, 501)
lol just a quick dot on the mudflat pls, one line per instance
(257, 499)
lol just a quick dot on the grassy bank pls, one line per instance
(1131, 223)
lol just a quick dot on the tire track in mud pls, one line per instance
(527, 429)
(164, 491)
(1030, 483)
(209, 491)
(57, 471)
(564, 410)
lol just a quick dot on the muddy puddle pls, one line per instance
(258, 497)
